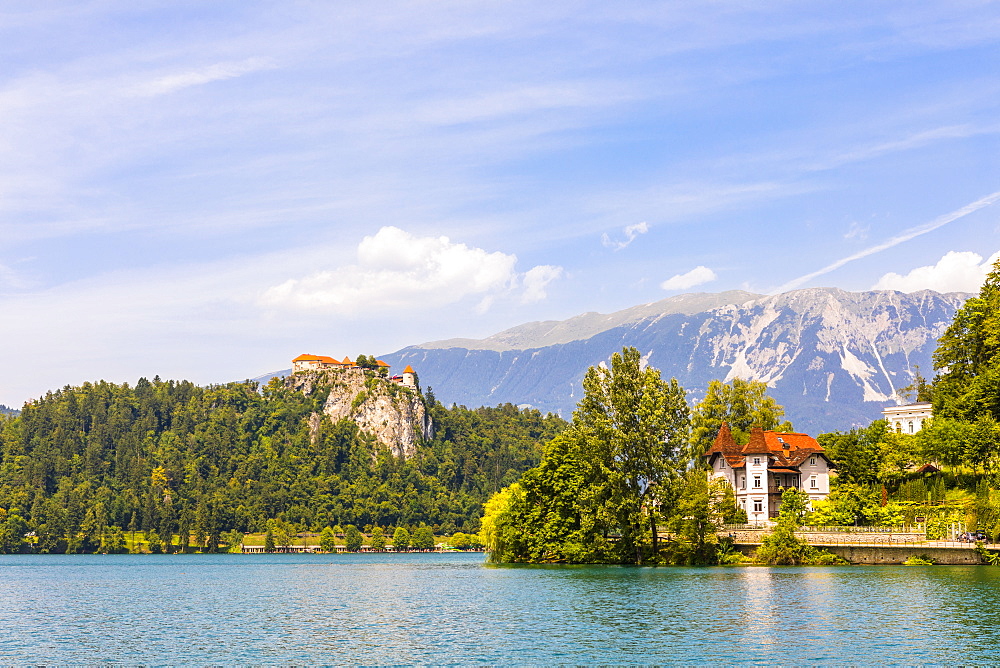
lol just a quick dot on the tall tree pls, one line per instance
(596, 493)
(401, 540)
(327, 540)
(967, 358)
(635, 426)
(741, 403)
(352, 538)
(423, 538)
(377, 541)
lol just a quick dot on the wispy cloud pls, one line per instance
(909, 142)
(857, 231)
(535, 281)
(631, 233)
(217, 72)
(907, 235)
(697, 276)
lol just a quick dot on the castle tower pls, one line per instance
(409, 377)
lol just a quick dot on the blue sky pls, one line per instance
(205, 190)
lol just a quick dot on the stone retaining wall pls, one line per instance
(754, 536)
(897, 554)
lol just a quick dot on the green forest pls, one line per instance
(81, 466)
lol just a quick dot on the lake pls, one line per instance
(451, 608)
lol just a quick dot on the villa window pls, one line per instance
(812, 461)
(899, 427)
(756, 482)
(758, 506)
(813, 483)
(911, 426)
(756, 461)
(743, 482)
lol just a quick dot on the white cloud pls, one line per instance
(399, 271)
(955, 272)
(631, 232)
(536, 279)
(696, 276)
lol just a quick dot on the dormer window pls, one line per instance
(812, 461)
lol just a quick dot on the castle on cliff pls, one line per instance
(306, 362)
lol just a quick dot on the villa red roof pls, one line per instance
(408, 369)
(726, 446)
(771, 443)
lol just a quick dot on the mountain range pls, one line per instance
(833, 358)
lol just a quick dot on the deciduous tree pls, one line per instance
(327, 540)
(352, 538)
(401, 540)
(377, 541)
(741, 403)
(423, 538)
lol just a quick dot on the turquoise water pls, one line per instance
(451, 609)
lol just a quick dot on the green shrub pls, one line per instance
(919, 560)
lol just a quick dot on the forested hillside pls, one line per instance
(173, 458)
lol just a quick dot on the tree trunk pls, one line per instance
(653, 536)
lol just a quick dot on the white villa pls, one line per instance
(760, 470)
(909, 418)
(307, 362)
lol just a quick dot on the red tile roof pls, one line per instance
(726, 446)
(408, 369)
(770, 443)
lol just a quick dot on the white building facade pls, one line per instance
(762, 469)
(909, 418)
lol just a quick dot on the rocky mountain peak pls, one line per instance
(833, 358)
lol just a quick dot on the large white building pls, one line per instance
(770, 462)
(909, 418)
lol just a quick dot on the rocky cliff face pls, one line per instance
(832, 358)
(395, 415)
